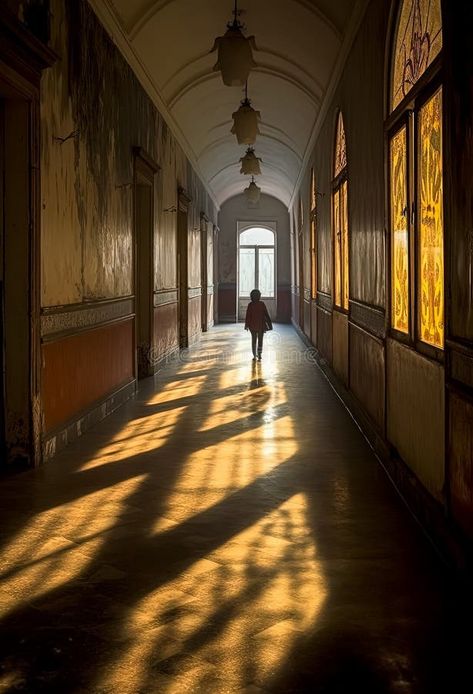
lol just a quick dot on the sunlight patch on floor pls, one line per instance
(59, 544)
(237, 614)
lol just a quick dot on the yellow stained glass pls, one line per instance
(399, 233)
(340, 147)
(344, 241)
(337, 247)
(418, 41)
(431, 284)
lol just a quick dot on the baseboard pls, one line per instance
(453, 547)
(55, 441)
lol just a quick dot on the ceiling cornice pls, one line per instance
(109, 20)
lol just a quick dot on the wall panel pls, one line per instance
(461, 460)
(367, 373)
(416, 413)
(72, 381)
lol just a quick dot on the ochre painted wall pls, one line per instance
(74, 377)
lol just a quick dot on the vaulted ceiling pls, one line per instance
(302, 45)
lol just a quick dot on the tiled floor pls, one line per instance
(229, 530)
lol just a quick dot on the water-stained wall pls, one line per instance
(95, 116)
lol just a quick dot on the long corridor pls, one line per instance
(228, 530)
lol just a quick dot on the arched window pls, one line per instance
(256, 261)
(415, 167)
(340, 219)
(313, 236)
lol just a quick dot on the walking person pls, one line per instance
(257, 321)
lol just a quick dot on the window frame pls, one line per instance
(337, 184)
(407, 113)
(256, 248)
(313, 235)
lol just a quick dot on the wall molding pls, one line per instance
(371, 319)
(58, 439)
(62, 321)
(194, 292)
(324, 301)
(165, 296)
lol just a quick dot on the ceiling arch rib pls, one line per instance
(198, 80)
(222, 141)
(146, 11)
(300, 44)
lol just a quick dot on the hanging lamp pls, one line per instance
(250, 163)
(235, 57)
(245, 122)
(253, 192)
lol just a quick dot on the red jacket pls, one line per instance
(257, 317)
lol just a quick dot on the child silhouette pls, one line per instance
(257, 321)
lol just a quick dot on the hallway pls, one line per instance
(247, 541)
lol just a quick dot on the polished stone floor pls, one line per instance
(228, 530)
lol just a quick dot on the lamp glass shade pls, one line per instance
(235, 57)
(250, 164)
(245, 124)
(253, 192)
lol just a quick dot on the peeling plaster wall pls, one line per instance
(92, 98)
(94, 113)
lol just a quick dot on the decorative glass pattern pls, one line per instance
(344, 242)
(337, 248)
(430, 271)
(340, 147)
(418, 41)
(399, 233)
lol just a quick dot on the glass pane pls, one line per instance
(247, 271)
(430, 272)
(340, 147)
(257, 236)
(336, 245)
(418, 42)
(266, 271)
(399, 233)
(313, 259)
(344, 241)
(313, 191)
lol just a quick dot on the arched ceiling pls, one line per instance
(302, 45)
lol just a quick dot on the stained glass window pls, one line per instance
(344, 241)
(416, 190)
(340, 147)
(418, 41)
(399, 232)
(313, 237)
(430, 213)
(340, 220)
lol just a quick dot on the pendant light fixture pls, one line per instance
(235, 57)
(250, 163)
(245, 122)
(253, 192)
